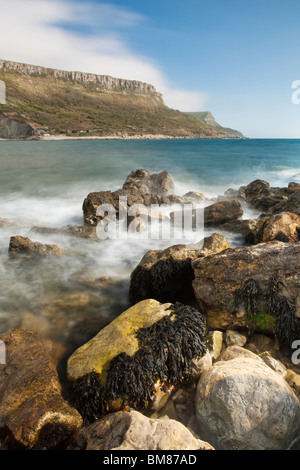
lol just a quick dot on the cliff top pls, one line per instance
(105, 82)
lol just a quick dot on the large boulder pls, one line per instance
(261, 196)
(222, 212)
(242, 404)
(33, 413)
(21, 245)
(96, 199)
(141, 188)
(214, 215)
(134, 431)
(143, 181)
(251, 287)
(137, 359)
(167, 275)
(284, 227)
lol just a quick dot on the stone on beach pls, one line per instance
(242, 404)
(134, 431)
(33, 413)
(283, 227)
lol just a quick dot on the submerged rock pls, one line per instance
(167, 275)
(81, 231)
(33, 413)
(242, 404)
(251, 287)
(133, 431)
(137, 359)
(22, 245)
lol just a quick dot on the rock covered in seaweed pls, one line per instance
(133, 431)
(242, 404)
(251, 287)
(33, 413)
(167, 275)
(144, 352)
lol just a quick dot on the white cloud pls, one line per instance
(30, 32)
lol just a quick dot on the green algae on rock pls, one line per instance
(144, 361)
(234, 288)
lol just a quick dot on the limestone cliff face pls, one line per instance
(14, 129)
(104, 82)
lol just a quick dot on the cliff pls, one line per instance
(77, 103)
(209, 119)
(103, 82)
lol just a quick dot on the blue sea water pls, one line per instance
(45, 183)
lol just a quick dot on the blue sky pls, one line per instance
(236, 58)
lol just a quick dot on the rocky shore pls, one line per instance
(207, 354)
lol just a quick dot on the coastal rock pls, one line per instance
(167, 275)
(242, 404)
(244, 227)
(148, 183)
(283, 227)
(194, 197)
(21, 245)
(236, 352)
(234, 338)
(251, 287)
(259, 195)
(222, 212)
(293, 380)
(274, 364)
(133, 431)
(260, 343)
(215, 343)
(141, 189)
(290, 204)
(33, 413)
(214, 215)
(94, 200)
(137, 359)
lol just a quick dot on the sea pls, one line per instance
(43, 183)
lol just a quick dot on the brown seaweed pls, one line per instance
(165, 353)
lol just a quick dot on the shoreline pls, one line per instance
(115, 137)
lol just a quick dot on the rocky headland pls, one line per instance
(43, 103)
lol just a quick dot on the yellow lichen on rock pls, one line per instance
(117, 337)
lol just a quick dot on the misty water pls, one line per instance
(44, 184)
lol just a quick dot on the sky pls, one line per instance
(235, 58)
